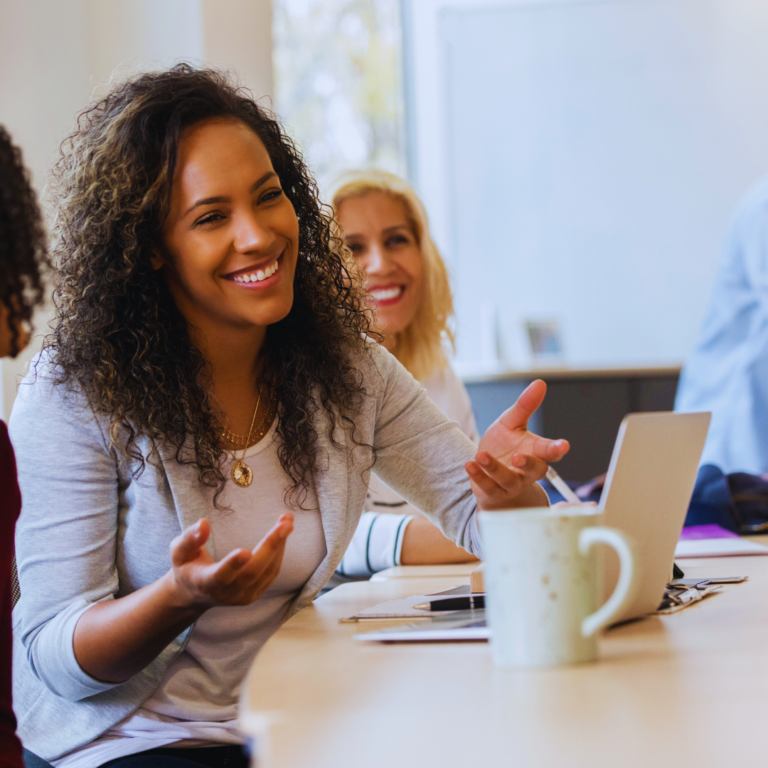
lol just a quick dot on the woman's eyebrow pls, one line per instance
(394, 227)
(224, 199)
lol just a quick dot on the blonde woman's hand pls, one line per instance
(511, 459)
(239, 579)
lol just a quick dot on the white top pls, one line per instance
(378, 540)
(196, 704)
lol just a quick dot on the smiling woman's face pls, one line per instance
(231, 234)
(380, 235)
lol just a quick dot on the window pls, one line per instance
(338, 83)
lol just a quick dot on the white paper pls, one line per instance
(404, 608)
(412, 633)
(726, 547)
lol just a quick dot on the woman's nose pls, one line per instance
(251, 234)
(377, 261)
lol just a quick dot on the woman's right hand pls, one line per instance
(239, 579)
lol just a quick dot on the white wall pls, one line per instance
(56, 54)
(238, 35)
(129, 35)
(580, 160)
(45, 67)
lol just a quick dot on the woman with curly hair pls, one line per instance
(387, 232)
(217, 407)
(22, 257)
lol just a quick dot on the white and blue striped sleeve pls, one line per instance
(376, 545)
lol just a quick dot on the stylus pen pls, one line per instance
(562, 486)
(463, 603)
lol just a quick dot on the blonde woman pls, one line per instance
(387, 231)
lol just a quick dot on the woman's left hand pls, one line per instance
(510, 458)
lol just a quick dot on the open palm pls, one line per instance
(238, 579)
(510, 458)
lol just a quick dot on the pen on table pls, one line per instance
(464, 603)
(562, 486)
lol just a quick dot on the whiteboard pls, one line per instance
(581, 161)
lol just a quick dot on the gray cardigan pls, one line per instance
(90, 531)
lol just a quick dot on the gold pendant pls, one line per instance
(241, 474)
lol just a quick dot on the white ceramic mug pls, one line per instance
(542, 583)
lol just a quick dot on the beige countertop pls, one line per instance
(683, 690)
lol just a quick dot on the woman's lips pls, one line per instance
(257, 279)
(386, 295)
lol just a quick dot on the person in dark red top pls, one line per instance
(22, 258)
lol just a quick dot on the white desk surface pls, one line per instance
(686, 690)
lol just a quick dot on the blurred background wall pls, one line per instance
(579, 159)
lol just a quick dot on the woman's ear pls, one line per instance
(157, 260)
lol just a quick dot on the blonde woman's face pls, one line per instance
(379, 234)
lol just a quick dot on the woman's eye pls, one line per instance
(272, 195)
(356, 248)
(397, 240)
(209, 219)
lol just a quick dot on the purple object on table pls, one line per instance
(706, 532)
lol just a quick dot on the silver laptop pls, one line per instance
(647, 492)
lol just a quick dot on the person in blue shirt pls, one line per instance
(728, 370)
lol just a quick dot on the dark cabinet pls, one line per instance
(584, 406)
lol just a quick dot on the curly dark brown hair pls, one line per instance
(119, 336)
(23, 255)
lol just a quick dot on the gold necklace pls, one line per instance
(235, 439)
(242, 474)
(248, 440)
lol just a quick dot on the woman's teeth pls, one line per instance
(387, 293)
(258, 275)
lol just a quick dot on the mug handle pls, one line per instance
(626, 587)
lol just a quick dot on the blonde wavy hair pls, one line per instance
(421, 347)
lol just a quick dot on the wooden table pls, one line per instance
(689, 689)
